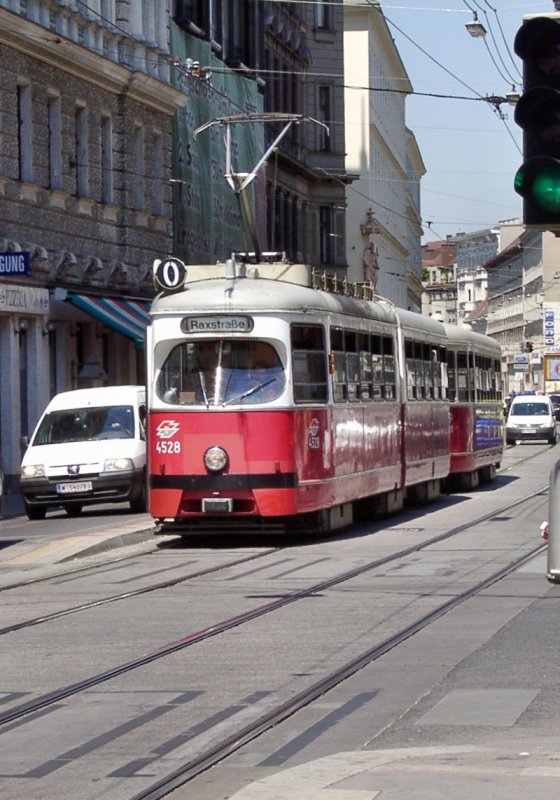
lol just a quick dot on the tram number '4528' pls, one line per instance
(168, 447)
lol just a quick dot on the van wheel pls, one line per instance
(138, 501)
(73, 509)
(35, 512)
(552, 439)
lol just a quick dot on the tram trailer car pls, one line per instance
(276, 405)
(475, 391)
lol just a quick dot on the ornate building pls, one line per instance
(85, 201)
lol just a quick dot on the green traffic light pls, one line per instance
(538, 180)
(546, 188)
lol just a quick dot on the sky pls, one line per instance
(469, 152)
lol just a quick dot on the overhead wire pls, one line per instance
(506, 45)
(508, 77)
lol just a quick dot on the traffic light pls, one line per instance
(537, 111)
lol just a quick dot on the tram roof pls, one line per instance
(461, 337)
(269, 288)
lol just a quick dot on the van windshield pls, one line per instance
(530, 410)
(86, 424)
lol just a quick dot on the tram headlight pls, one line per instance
(215, 459)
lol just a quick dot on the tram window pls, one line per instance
(337, 339)
(472, 378)
(338, 355)
(462, 381)
(410, 363)
(430, 356)
(353, 375)
(366, 392)
(340, 385)
(440, 373)
(309, 360)
(452, 375)
(377, 367)
(497, 377)
(214, 372)
(389, 369)
(352, 364)
(350, 341)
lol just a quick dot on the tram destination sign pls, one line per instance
(219, 323)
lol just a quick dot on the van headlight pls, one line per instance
(116, 464)
(32, 471)
(215, 459)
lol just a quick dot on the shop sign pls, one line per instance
(23, 299)
(14, 263)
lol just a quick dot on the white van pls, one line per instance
(88, 447)
(531, 417)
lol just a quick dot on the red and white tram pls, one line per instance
(475, 389)
(277, 401)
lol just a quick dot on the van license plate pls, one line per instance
(73, 488)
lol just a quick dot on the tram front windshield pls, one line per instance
(219, 372)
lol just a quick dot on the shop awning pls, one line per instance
(128, 317)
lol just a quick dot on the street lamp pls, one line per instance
(476, 28)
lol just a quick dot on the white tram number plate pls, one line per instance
(74, 488)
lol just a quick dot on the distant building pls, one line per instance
(524, 307)
(473, 250)
(439, 269)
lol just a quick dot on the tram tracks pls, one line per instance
(255, 556)
(192, 769)
(424, 602)
(51, 698)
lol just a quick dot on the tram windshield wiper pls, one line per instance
(203, 387)
(247, 392)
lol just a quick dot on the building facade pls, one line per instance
(473, 250)
(85, 200)
(383, 223)
(289, 56)
(439, 280)
(524, 309)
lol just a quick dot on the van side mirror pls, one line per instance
(24, 443)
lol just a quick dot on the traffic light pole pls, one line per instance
(537, 112)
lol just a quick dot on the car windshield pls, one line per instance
(218, 372)
(86, 424)
(529, 409)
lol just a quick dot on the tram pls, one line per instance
(475, 389)
(284, 400)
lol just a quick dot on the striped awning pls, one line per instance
(128, 317)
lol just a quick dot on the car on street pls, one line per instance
(88, 447)
(531, 417)
(555, 400)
